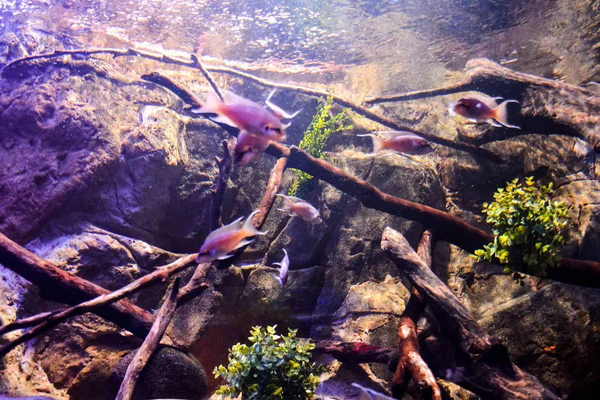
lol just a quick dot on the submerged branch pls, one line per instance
(161, 274)
(493, 375)
(144, 353)
(411, 363)
(225, 165)
(61, 286)
(270, 191)
(193, 62)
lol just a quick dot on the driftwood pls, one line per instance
(48, 321)
(411, 363)
(11, 69)
(448, 227)
(144, 353)
(548, 106)
(271, 190)
(64, 287)
(489, 371)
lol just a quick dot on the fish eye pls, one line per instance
(267, 128)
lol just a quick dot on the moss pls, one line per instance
(324, 124)
(272, 367)
(527, 227)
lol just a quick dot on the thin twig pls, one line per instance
(150, 343)
(160, 275)
(209, 78)
(26, 322)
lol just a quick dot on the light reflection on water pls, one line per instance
(318, 32)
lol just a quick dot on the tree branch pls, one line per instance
(270, 191)
(150, 343)
(225, 165)
(493, 374)
(161, 274)
(411, 363)
(64, 287)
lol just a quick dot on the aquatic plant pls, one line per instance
(527, 229)
(272, 367)
(323, 125)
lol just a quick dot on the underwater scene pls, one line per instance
(261, 200)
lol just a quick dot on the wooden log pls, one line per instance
(411, 363)
(490, 372)
(61, 286)
(141, 358)
(270, 191)
(159, 275)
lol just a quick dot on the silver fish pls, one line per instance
(284, 269)
(299, 208)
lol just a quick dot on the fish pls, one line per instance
(478, 107)
(283, 271)
(299, 208)
(370, 394)
(249, 147)
(278, 111)
(399, 142)
(222, 243)
(244, 114)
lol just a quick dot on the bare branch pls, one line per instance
(160, 275)
(150, 343)
(270, 191)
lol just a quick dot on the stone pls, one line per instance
(170, 373)
(562, 343)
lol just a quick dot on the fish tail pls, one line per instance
(501, 114)
(249, 228)
(287, 204)
(377, 143)
(212, 105)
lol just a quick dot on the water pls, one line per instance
(107, 173)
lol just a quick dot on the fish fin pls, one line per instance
(249, 228)
(492, 122)
(225, 256)
(276, 263)
(377, 143)
(285, 252)
(501, 114)
(243, 243)
(223, 119)
(285, 126)
(278, 111)
(393, 134)
(230, 227)
(288, 204)
(212, 105)
(489, 101)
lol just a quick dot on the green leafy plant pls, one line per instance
(527, 227)
(324, 124)
(272, 367)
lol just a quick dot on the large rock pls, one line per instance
(562, 341)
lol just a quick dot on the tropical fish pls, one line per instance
(370, 394)
(299, 208)
(245, 115)
(222, 243)
(283, 271)
(399, 142)
(248, 147)
(479, 107)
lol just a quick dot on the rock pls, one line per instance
(562, 343)
(170, 373)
